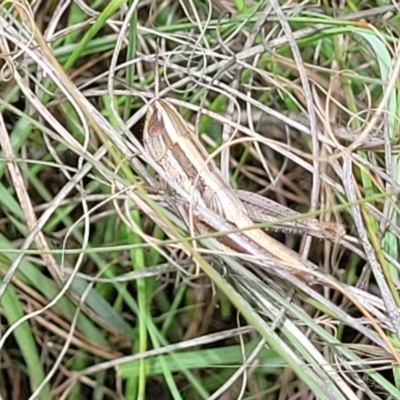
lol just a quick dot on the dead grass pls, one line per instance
(99, 294)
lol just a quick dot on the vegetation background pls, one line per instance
(97, 301)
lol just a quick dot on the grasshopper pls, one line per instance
(182, 157)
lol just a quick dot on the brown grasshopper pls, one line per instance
(184, 160)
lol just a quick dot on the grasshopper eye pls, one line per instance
(155, 125)
(155, 134)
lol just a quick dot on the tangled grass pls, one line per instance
(100, 291)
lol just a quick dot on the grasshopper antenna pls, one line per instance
(156, 70)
